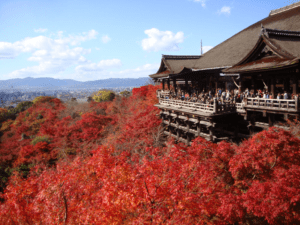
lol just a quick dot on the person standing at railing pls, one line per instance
(285, 95)
(264, 95)
(186, 96)
(278, 96)
(227, 95)
(223, 96)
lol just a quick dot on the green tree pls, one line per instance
(104, 95)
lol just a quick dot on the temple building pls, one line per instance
(260, 65)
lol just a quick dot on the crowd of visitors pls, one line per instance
(224, 96)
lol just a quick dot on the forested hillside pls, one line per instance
(108, 163)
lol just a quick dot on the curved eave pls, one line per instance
(155, 76)
(281, 65)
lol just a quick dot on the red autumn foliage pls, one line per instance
(124, 179)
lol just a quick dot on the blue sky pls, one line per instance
(100, 39)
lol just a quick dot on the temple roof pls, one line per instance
(173, 64)
(274, 49)
(231, 51)
(281, 36)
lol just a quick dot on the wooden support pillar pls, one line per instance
(206, 84)
(225, 85)
(252, 126)
(168, 83)
(216, 86)
(188, 126)
(269, 85)
(294, 85)
(163, 84)
(188, 139)
(270, 117)
(178, 134)
(198, 129)
(210, 83)
(286, 84)
(215, 105)
(240, 86)
(175, 85)
(186, 85)
(211, 133)
(177, 122)
(273, 88)
(236, 131)
(254, 84)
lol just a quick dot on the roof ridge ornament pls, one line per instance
(263, 31)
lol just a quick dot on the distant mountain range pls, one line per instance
(51, 83)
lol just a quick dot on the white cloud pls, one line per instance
(40, 30)
(162, 40)
(100, 66)
(105, 39)
(142, 71)
(225, 10)
(202, 2)
(53, 55)
(206, 48)
(76, 39)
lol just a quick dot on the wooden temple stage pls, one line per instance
(186, 120)
(265, 56)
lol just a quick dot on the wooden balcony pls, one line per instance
(279, 105)
(196, 107)
(252, 104)
(240, 107)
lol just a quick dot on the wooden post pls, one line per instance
(168, 82)
(254, 84)
(215, 105)
(177, 122)
(188, 139)
(175, 85)
(270, 120)
(269, 85)
(163, 84)
(286, 84)
(294, 85)
(211, 133)
(178, 134)
(240, 86)
(296, 102)
(273, 88)
(188, 126)
(216, 86)
(198, 129)
(186, 85)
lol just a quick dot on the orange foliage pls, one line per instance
(112, 174)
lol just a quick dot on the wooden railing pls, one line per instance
(187, 105)
(273, 104)
(256, 103)
(162, 93)
(240, 107)
(195, 106)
